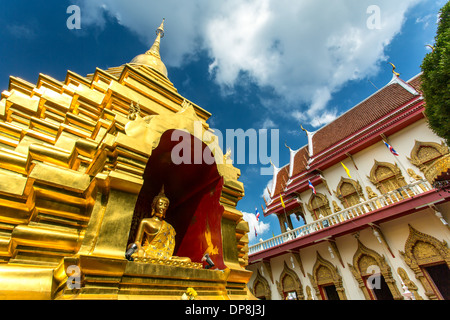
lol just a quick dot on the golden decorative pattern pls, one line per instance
(261, 287)
(423, 154)
(318, 205)
(409, 283)
(437, 168)
(170, 262)
(422, 249)
(289, 281)
(324, 272)
(308, 293)
(349, 192)
(364, 264)
(72, 160)
(365, 258)
(386, 177)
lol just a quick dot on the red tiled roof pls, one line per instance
(362, 115)
(416, 83)
(299, 161)
(281, 180)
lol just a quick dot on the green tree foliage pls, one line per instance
(436, 76)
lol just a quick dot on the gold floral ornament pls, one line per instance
(190, 294)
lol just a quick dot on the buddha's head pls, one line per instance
(160, 205)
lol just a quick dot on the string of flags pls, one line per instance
(313, 189)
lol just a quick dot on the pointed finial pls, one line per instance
(160, 29)
(393, 69)
(285, 144)
(161, 193)
(304, 129)
(154, 50)
(431, 47)
(152, 58)
(272, 163)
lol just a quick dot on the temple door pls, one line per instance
(438, 275)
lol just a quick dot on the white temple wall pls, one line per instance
(396, 233)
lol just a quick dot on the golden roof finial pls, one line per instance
(285, 144)
(393, 70)
(152, 58)
(270, 160)
(154, 50)
(304, 129)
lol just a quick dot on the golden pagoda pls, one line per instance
(87, 162)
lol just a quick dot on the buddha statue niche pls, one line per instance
(155, 238)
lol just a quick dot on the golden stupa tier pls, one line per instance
(80, 161)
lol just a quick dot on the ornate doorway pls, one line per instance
(326, 280)
(373, 275)
(261, 287)
(193, 189)
(429, 258)
(290, 287)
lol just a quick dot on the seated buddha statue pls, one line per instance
(155, 237)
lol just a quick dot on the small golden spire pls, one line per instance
(304, 129)
(285, 144)
(154, 50)
(152, 57)
(272, 163)
(393, 70)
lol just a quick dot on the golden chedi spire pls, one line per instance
(152, 57)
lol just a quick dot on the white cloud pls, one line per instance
(268, 124)
(261, 227)
(299, 116)
(324, 118)
(304, 50)
(265, 193)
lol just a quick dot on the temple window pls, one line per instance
(261, 287)
(329, 292)
(289, 287)
(260, 291)
(386, 177)
(424, 154)
(319, 206)
(349, 192)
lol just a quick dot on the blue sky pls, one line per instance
(254, 64)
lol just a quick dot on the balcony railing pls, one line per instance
(362, 208)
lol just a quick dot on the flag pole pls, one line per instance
(396, 160)
(284, 209)
(357, 170)
(349, 175)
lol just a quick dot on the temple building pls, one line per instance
(102, 195)
(370, 191)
